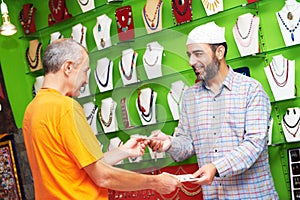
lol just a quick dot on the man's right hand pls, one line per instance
(159, 141)
(166, 183)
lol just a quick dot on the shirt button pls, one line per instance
(215, 133)
(216, 150)
(214, 117)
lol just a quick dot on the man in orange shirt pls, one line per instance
(65, 157)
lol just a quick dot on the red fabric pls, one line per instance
(252, 1)
(182, 13)
(186, 192)
(29, 24)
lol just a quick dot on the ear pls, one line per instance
(220, 51)
(67, 67)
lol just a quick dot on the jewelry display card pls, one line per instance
(291, 124)
(289, 21)
(104, 74)
(33, 55)
(125, 25)
(152, 15)
(101, 32)
(86, 5)
(107, 115)
(281, 77)
(294, 169)
(182, 11)
(125, 114)
(145, 105)
(38, 84)
(27, 18)
(152, 60)
(91, 110)
(212, 6)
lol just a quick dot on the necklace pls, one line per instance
(151, 65)
(156, 14)
(107, 123)
(245, 41)
(128, 77)
(26, 22)
(287, 28)
(178, 6)
(123, 14)
(107, 76)
(90, 117)
(287, 126)
(277, 67)
(282, 84)
(146, 116)
(57, 8)
(211, 5)
(102, 42)
(82, 34)
(177, 101)
(83, 3)
(33, 63)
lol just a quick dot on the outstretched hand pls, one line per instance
(205, 174)
(159, 141)
(134, 147)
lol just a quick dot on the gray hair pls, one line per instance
(60, 51)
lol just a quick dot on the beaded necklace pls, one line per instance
(245, 40)
(91, 116)
(107, 76)
(288, 28)
(282, 84)
(128, 77)
(146, 116)
(83, 3)
(57, 8)
(33, 63)
(107, 123)
(177, 101)
(156, 15)
(26, 22)
(288, 126)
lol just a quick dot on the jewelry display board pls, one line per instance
(10, 187)
(104, 74)
(58, 11)
(55, 36)
(33, 55)
(101, 32)
(27, 18)
(79, 34)
(212, 6)
(145, 104)
(125, 25)
(91, 110)
(86, 5)
(127, 66)
(107, 115)
(294, 169)
(182, 11)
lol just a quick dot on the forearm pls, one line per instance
(114, 156)
(181, 148)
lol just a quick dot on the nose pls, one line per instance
(192, 60)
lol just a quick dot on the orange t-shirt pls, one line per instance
(59, 143)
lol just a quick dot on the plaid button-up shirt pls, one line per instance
(228, 129)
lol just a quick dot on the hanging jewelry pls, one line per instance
(211, 5)
(107, 123)
(288, 126)
(91, 116)
(177, 101)
(146, 116)
(33, 63)
(107, 76)
(102, 42)
(287, 28)
(286, 77)
(83, 3)
(178, 6)
(57, 8)
(128, 77)
(152, 26)
(82, 35)
(26, 22)
(248, 36)
(124, 26)
(154, 63)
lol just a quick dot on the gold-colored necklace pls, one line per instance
(211, 5)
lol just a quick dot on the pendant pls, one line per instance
(290, 16)
(152, 25)
(292, 35)
(27, 31)
(99, 27)
(102, 43)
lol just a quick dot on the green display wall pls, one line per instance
(19, 80)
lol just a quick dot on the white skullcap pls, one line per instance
(208, 33)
